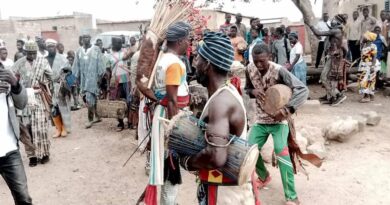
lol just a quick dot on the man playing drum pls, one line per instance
(261, 75)
(224, 114)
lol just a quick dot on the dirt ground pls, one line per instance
(86, 167)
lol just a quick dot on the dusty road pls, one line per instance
(86, 167)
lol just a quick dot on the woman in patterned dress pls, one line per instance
(369, 65)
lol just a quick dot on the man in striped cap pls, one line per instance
(225, 115)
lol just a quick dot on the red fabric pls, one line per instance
(236, 81)
(189, 51)
(151, 195)
(212, 195)
(182, 101)
(284, 152)
(255, 188)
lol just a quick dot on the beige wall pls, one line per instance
(334, 7)
(121, 26)
(69, 27)
(12, 30)
(218, 18)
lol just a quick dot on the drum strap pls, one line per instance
(229, 139)
(236, 95)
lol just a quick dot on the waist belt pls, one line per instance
(182, 101)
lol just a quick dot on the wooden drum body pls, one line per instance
(187, 137)
(276, 97)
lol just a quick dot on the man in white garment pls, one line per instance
(7, 63)
(12, 95)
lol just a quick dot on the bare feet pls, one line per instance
(263, 183)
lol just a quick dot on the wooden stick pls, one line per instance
(151, 78)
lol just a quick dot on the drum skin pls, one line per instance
(276, 97)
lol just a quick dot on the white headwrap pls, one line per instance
(50, 42)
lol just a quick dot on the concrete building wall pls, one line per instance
(334, 7)
(106, 26)
(68, 27)
(12, 30)
(217, 18)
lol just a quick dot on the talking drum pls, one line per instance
(276, 97)
(187, 137)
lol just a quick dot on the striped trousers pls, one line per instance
(258, 135)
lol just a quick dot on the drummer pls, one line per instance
(260, 75)
(225, 114)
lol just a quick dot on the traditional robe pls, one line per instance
(59, 97)
(89, 67)
(35, 115)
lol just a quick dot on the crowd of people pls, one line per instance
(363, 44)
(360, 42)
(43, 84)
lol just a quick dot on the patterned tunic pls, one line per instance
(35, 113)
(276, 74)
(118, 66)
(367, 79)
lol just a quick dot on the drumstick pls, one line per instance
(136, 149)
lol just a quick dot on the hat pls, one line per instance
(293, 34)
(38, 38)
(340, 18)
(51, 42)
(31, 46)
(178, 31)
(85, 32)
(370, 36)
(217, 49)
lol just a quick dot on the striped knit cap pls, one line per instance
(178, 30)
(218, 49)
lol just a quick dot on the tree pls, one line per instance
(308, 17)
